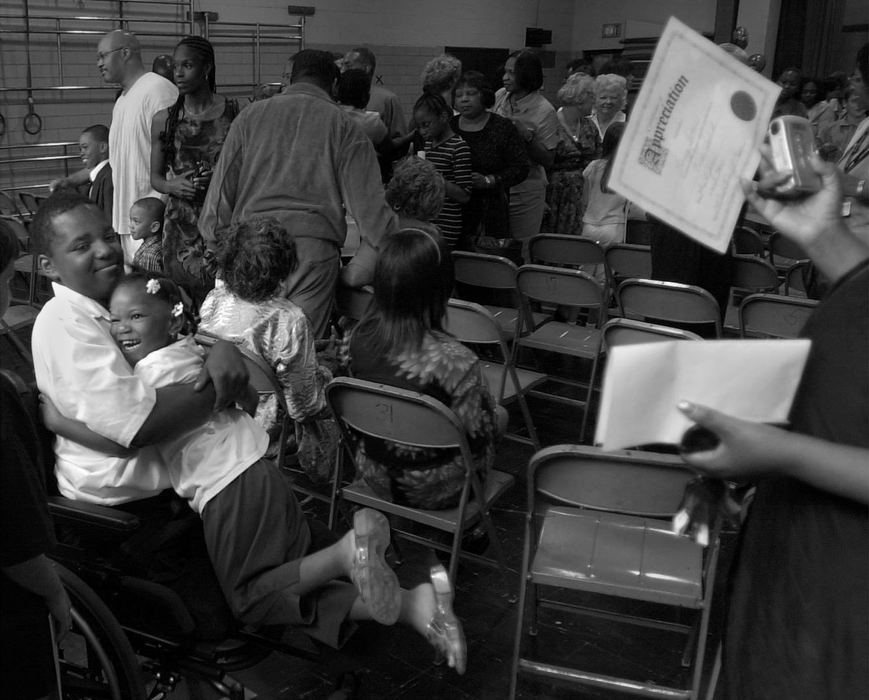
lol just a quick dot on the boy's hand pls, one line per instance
(59, 607)
(225, 369)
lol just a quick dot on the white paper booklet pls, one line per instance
(752, 379)
(692, 133)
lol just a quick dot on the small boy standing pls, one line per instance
(146, 225)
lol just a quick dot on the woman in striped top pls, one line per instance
(450, 155)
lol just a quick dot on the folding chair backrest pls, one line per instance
(627, 331)
(627, 481)
(668, 302)
(795, 276)
(561, 250)
(783, 251)
(394, 414)
(353, 302)
(774, 316)
(627, 261)
(554, 285)
(8, 205)
(471, 323)
(28, 199)
(747, 241)
(639, 231)
(751, 272)
(486, 279)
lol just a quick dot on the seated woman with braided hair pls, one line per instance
(186, 140)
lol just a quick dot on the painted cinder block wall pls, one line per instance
(404, 34)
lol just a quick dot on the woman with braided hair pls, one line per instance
(186, 140)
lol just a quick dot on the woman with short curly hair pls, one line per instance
(611, 96)
(440, 76)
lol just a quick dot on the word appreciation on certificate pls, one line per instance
(692, 133)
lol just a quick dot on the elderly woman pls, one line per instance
(440, 76)
(579, 145)
(534, 117)
(610, 95)
(416, 193)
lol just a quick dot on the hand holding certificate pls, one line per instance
(643, 384)
(692, 133)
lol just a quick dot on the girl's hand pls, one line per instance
(202, 181)
(745, 449)
(182, 186)
(803, 220)
(225, 369)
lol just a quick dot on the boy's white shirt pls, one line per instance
(204, 460)
(81, 369)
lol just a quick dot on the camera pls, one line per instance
(793, 143)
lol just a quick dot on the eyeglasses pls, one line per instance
(101, 56)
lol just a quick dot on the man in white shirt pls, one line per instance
(143, 94)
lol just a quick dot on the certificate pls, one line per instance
(752, 379)
(692, 133)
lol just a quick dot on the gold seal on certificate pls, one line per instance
(692, 133)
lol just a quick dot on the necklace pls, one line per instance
(189, 113)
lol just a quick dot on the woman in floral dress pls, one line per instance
(186, 141)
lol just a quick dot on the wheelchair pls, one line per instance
(132, 638)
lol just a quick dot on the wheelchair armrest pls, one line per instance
(80, 513)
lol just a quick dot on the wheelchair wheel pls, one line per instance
(96, 659)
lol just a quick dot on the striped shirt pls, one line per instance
(452, 158)
(149, 256)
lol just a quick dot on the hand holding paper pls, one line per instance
(643, 385)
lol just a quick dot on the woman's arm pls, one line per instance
(749, 450)
(514, 157)
(180, 185)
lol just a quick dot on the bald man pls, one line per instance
(143, 94)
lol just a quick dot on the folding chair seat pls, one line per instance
(571, 289)
(629, 261)
(747, 241)
(774, 316)
(368, 409)
(627, 331)
(25, 265)
(265, 382)
(669, 303)
(489, 280)
(472, 324)
(597, 531)
(559, 250)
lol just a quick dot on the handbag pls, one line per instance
(504, 246)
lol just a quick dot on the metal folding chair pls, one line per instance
(598, 523)
(368, 409)
(559, 250)
(627, 331)
(570, 289)
(795, 277)
(783, 252)
(774, 316)
(747, 241)
(629, 261)
(668, 303)
(472, 324)
(489, 280)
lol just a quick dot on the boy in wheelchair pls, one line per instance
(264, 554)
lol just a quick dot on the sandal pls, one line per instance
(444, 631)
(377, 583)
